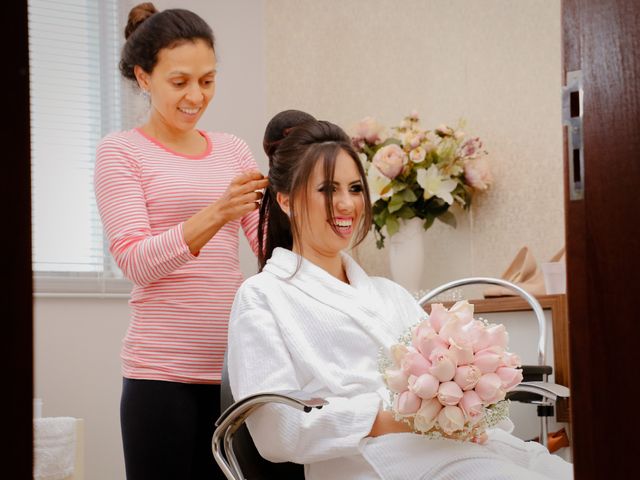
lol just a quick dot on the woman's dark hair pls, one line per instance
(295, 142)
(148, 31)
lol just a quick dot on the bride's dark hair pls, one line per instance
(294, 141)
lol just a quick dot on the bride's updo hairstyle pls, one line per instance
(148, 31)
(294, 141)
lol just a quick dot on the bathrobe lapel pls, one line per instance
(357, 300)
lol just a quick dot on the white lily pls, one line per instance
(435, 184)
(378, 184)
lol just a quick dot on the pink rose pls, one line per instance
(510, 360)
(396, 379)
(398, 351)
(462, 353)
(438, 316)
(429, 342)
(417, 155)
(370, 130)
(488, 360)
(442, 366)
(426, 416)
(463, 310)
(407, 403)
(452, 329)
(471, 148)
(472, 406)
(449, 393)
(425, 386)
(413, 363)
(477, 173)
(498, 335)
(451, 419)
(489, 388)
(477, 335)
(467, 376)
(510, 377)
(390, 160)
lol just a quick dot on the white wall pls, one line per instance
(494, 62)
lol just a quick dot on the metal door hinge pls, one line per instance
(572, 115)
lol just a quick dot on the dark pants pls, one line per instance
(167, 429)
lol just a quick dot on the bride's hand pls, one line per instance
(480, 439)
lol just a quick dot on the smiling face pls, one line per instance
(181, 85)
(323, 235)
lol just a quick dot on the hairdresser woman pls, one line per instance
(172, 199)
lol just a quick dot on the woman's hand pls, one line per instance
(241, 197)
(386, 423)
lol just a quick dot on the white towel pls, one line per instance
(54, 447)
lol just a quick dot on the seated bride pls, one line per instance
(313, 320)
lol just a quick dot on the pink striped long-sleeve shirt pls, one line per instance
(180, 303)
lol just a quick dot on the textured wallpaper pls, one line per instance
(495, 63)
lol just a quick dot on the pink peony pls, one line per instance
(396, 379)
(390, 160)
(449, 393)
(472, 406)
(477, 173)
(370, 130)
(407, 403)
(442, 365)
(426, 417)
(488, 360)
(467, 376)
(425, 386)
(489, 388)
(510, 377)
(413, 363)
(451, 419)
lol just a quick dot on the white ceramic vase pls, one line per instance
(406, 254)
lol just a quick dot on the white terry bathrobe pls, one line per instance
(312, 332)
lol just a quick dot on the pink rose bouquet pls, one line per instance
(449, 374)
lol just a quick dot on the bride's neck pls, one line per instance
(332, 264)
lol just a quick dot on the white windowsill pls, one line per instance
(79, 286)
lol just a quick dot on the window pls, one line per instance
(76, 98)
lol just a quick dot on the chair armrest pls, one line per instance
(294, 398)
(235, 416)
(552, 391)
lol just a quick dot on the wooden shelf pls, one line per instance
(559, 321)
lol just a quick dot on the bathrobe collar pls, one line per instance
(358, 299)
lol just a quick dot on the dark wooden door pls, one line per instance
(602, 40)
(15, 245)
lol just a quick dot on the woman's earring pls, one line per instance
(145, 94)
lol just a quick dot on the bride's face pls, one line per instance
(315, 223)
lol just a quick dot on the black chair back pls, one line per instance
(254, 467)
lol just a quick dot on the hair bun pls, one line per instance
(137, 15)
(280, 126)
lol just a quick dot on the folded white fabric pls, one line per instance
(54, 447)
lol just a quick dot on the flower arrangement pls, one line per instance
(449, 374)
(419, 173)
